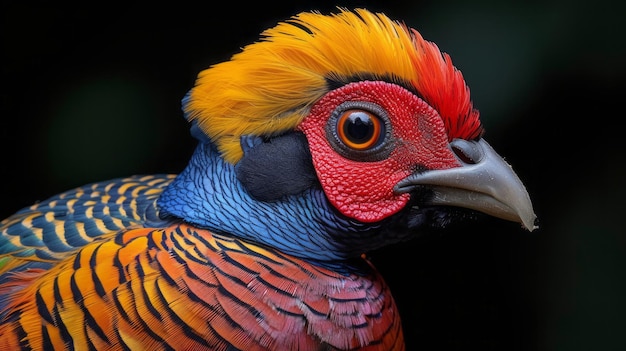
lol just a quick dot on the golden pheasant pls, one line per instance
(330, 137)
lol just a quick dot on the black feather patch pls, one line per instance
(273, 168)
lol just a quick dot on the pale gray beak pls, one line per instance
(485, 182)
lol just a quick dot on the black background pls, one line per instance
(92, 91)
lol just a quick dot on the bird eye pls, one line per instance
(359, 129)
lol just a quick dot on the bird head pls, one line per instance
(332, 129)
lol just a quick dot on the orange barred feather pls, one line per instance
(191, 289)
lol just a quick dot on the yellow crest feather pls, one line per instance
(269, 86)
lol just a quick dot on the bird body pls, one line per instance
(179, 280)
(331, 137)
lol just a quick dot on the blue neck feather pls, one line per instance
(208, 194)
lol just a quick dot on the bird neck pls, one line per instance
(208, 195)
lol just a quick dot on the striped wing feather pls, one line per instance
(40, 235)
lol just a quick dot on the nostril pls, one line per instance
(466, 151)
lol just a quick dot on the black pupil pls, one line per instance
(359, 128)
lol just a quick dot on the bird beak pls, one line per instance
(484, 182)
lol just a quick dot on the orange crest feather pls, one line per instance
(269, 87)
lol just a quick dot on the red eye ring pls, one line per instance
(359, 129)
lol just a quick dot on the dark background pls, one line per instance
(91, 92)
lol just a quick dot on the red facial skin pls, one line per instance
(363, 190)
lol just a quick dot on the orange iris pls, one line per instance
(359, 129)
